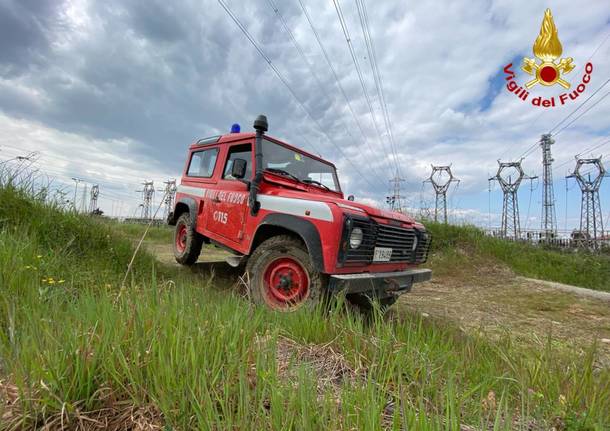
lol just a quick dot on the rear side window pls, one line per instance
(202, 163)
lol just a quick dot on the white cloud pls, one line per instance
(143, 82)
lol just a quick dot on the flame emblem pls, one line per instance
(547, 48)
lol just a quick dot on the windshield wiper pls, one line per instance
(318, 183)
(282, 172)
(306, 180)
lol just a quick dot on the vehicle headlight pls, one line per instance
(355, 238)
(415, 241)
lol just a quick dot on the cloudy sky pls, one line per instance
(115, 92)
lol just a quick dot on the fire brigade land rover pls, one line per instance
(281, 211)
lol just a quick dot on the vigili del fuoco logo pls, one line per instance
(547, 69)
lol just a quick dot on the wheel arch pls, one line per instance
(184, 204)
(286, 224)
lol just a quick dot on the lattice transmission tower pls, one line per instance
(591, 219)
(510, 182)
(148, 193)
(395, 200)
(549, 219)
(93, 195)
(169, 191)
(441, 179)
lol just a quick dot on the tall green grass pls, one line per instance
(459, 245)
(207, 359)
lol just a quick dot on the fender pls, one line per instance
(304, 228)
(192, 204)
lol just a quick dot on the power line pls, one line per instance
(370, 47)
(313, 72)
(533, 147)
(84, 178)
(65, 159)
(332, 69)
(287, 85)
(65, 177)
(352, 52)
(580, 106)
(588, 150)
(583, 113)
(530, 149)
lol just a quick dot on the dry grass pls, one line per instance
(114, 415)
(330, 368)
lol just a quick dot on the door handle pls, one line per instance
(216, 200)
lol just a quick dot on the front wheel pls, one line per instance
(187, 242)
(282, 276)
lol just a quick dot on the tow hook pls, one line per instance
(392, 284)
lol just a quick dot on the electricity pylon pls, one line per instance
(395, 200)
(441, 186)
(591, 219)
(95, 192)
(148, 192)
(170, 194)
(76, 181)
(549, 220)
(511, 225)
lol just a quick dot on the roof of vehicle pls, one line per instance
(232, 137)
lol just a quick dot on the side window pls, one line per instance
(202, 163)
(238, 152)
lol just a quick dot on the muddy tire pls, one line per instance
(367, 305)
(282, 276)
(187, 242)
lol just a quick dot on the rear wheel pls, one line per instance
(187, 242)
(282, 276)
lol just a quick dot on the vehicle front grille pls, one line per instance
(399, 239)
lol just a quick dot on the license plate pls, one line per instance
(382, 254)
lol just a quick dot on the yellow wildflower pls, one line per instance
(39, 256)
(61, 281)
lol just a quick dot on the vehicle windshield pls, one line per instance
(295, 164)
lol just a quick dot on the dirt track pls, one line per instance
(530, 309)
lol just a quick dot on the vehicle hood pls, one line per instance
(373, 211)
(351, 207)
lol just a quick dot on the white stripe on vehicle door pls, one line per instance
(195, 191)
(297, 207)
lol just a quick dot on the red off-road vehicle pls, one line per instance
(281, 210)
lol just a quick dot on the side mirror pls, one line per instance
(238, 169)
(350, 198)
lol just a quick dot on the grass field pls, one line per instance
(177, 350)
(456, 246)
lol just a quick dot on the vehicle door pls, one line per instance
(227, 205)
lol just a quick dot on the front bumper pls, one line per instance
(379, 283)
